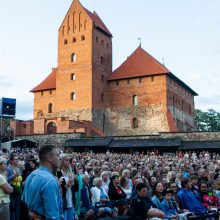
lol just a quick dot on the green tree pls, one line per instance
(207, 120)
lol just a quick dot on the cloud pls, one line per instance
(24, 109)
(212, 102)
(5, 82)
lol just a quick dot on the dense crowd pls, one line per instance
(180, 185)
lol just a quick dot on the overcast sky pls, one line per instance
(185, 33)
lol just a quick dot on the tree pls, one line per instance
(207, 121)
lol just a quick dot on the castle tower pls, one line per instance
(84, 62)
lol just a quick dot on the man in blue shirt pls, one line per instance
(41, 193)
(188, 199)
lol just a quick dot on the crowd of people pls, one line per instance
(51, 184)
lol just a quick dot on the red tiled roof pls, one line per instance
(140, 63)
(48, 83)
(97, 21)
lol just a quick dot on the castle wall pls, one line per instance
(150, 110)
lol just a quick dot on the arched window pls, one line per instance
(73, 58)
(102, 60)
(50, 108)
(97, 39)
(135, 123)
(74, 40)
(102, 42)
(102, 97)
(65, 41)
(82, 37)
(73, 76)
(73, 96)
(135, 100)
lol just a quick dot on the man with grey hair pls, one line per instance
(87, 210)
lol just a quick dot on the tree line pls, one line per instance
(207, 120)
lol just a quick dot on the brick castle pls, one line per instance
(83, 94)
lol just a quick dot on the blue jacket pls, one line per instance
(86, 198)
(42, 194)
(189, 201)
(168, 209)
(156, 202)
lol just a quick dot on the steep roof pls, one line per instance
(48, 83)
(98, 22)
(139, 63)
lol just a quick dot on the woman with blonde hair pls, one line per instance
(105, 181)
(5, 190)
(68, 186)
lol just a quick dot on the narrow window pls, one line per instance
(128, 82)
(97, 39)
(102, 60)
(73, 76)
(63, 30)
(135, 123)
(152, 78)
(73, 96)
(73, 58)
(73, 21)
(135, 100)
(102, 78)
(65, 41)
(117, 83)
(42, 93)
(68, 24)
(102, 42)
(79, 21)
(50, 108)
(102, 97)
(50, 92)
(140, 80)
(84, 25)
(74, 40)
(82, 38)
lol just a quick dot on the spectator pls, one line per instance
(208, 199)
(105, 181)
(5, 190)
(158, 195)
(142, 207)
(125, 186)
(188, 199)
(66, 180)
(15, 180)
(99, 195)
(41, 192)
(87, 209)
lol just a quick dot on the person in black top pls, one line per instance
(116, 194)
(142, 207)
